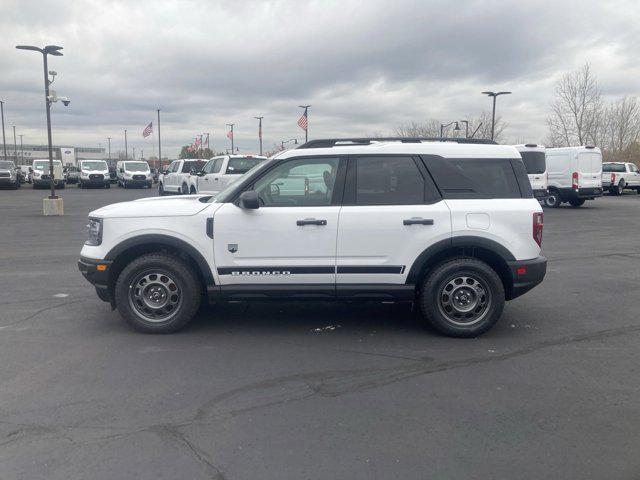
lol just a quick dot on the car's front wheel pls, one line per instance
(462, 297)
(157, 293)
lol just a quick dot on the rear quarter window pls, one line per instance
(460, 178)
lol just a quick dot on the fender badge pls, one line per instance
(232, 247)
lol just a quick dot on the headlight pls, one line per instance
(95, 232)
(84, 175)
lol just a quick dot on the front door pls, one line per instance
(210, 182)
(392, 212)
(291, 239)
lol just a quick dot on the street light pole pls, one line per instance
(466, 128)
(494, 95)
(260, 131)
(159, 144)
(109, 142)
(15, 146)
(55, 51)
(126, 148)
(4, 142)
(442, 127)
(21, 151)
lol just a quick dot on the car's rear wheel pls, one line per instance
(552, 200)
(192, 190)
(619, 189)
(462, 297)
(184, 189)
(157, 293)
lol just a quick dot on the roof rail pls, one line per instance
(333, 142)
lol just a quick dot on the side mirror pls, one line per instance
(249, 200)
(165, 172)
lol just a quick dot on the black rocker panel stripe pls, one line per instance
(285, 270)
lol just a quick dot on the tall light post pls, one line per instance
(21, 151)
(466, 128)
(284, 142)
(230, 135)
(4, 142)
(494, 95)
(109, 143)
(442, 127)
(126, 148)
(303, 122)
(260, 131)
(55, 51)
(15, 146)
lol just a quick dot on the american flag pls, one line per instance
(207, 141)
(230, 134)
(302, 121)
(198, 141)
(148, 130)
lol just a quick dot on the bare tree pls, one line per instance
(431, 128)
(576, 109)
(481, 125)
(624, 125)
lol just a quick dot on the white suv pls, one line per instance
(220, 172)
(450, 225)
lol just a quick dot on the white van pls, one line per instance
(575, 175)
(94, 173)
(41, 176)
(533, 157)
(134, 174)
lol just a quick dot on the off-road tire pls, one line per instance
(180, 273)
(432, 290)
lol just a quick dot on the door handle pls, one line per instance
(310, 221)
(418, 221)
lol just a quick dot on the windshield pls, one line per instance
(7, 165)
(98, 165)
(42, 164)
(612, 167)
(229, 192)
(534, 162)
(136, 166)
(238, 166)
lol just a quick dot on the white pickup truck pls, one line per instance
(220, 172)
(616, 176)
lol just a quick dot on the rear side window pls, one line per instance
(193, 165)
(612, 167)
(534, 162)
(477, 178)
(388, 181)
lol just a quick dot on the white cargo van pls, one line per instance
(134, 174)
(575, 175)
(41, 176)
(94, 173)
(535, 163)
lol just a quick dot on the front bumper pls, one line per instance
(525, 275)
(97, 273)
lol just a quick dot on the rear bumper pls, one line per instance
(98, 278)
(526, 274)
(586, 193)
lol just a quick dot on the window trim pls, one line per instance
(431, 193)
(338, 188)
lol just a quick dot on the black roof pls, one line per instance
(332, 142)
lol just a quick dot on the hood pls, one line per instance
(179, 206)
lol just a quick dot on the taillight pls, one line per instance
(613, 178)
(574, 180)
(537, 227)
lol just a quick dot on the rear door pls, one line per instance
(589, 170)
(391, 213)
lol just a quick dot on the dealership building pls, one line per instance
(69, 155)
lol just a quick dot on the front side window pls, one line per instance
(208, 167)
(217, 166)
(299, 183)
(388, 181)
(633, 168)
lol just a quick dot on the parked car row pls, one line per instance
(205, 176)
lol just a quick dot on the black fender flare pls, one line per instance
(463, 242)
(167, 240)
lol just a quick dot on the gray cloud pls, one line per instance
(364, 66)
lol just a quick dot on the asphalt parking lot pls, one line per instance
(317, 391)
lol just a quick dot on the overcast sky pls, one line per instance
(364, 66)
